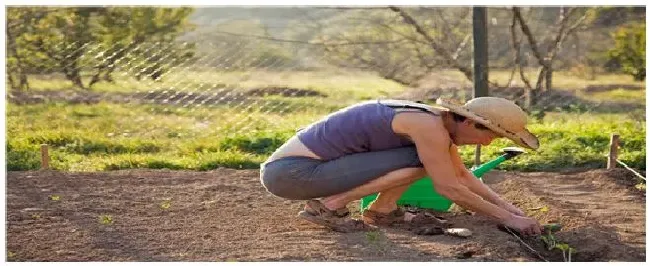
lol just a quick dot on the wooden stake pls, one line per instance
(477, 155)
(613, 151)
(45, 157)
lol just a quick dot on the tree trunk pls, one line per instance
(107, 75)
(72, 73)
(549, 78)
(19, 68)
(530, 99)
(12, 83)
(23, 80)
(76, 79)
(95, 78)
(21, 83)
(540, 78)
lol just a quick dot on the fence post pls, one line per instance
(480, 60)
(45, 157)
(480, 36)
(477, 155)
(613, 151)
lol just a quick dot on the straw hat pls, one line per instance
(500, 115)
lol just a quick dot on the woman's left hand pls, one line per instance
(511, 208)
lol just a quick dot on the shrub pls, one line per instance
(629, 50)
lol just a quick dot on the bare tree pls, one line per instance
(434, 44)
(568, 21)
(401, 44)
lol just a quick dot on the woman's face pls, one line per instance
(470, 132)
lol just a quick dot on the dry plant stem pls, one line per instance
(526, 245)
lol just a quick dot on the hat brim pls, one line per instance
(522, 138)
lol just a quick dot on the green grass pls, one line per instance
(115, 136)
(111, 136)
(574, 140)
(620, 95)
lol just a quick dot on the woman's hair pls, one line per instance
(461, 118)
(457, 117)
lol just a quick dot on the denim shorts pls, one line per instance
(302, 178)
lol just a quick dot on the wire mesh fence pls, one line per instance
(237, 76)
(234, 74)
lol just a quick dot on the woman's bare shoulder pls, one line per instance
(414, 123)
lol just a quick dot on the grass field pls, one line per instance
(109, 136)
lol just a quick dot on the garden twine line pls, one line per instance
(526, 245)
(632, 170)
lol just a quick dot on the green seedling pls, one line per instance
(106, 219)
(551, 242)
(552, 227)
(55, 197)
(166, 204)
(640, 186)
(36, 216)
(372, 236)
(10, 255)
(566, 251)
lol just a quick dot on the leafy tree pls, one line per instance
(62, 35)
(143, 36)
(47, 40)
(23, 56)
(629, 49)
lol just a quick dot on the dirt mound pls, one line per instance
(610, 87)
(285, 92)
(69, 96)
(225, 215)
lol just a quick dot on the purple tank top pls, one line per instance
(362, 127)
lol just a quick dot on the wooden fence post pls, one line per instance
(45, 157)
(613, 151)
(477, 155)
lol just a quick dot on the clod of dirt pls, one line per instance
(429, 230)
(465, 255)
(425, 218)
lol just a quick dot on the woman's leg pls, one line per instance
(344, 179)
(390, 187)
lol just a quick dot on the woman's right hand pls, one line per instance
(525, 225)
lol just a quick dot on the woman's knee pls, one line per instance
(274, 185)
(283, 187)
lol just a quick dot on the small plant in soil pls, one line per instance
(372, 236)
(551, 243)
(55, 197)
(640, 186)
(105, 219)
(166, 204)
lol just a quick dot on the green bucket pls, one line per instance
(422, 193)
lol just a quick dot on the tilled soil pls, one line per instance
(225, 215)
